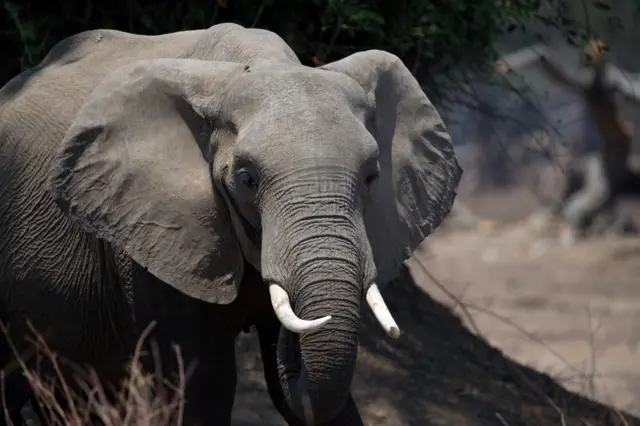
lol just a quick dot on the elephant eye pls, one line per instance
(371, 178)
(247, 179)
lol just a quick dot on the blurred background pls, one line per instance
(511, 280)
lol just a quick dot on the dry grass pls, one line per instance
(142, 400)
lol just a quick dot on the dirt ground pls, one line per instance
(571, 312)
(568, 312)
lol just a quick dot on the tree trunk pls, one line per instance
(596, 181)
(592, 190)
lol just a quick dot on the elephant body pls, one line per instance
(185, 179)
(40, 269)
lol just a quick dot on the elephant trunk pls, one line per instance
(316, 260)
(316, 368)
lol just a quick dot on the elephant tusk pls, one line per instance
(380, 310)
(282, 308)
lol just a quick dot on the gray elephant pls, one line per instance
(208, 181)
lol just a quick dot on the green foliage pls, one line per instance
(432, 35)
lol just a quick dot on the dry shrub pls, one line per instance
(142, 400)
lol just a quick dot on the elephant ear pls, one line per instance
(133, 169)
(419, 172)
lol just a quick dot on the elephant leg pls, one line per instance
(207, 350)
(13, 418)
(208, 365)
(16, 392)
(268, 334)
(18, 396)
(36, 409)
(211, 389)
(11, 413)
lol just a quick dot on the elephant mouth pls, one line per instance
(294, 375)
(315, 367)
(282, 308)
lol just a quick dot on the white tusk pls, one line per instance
(282, 307)
(380, 310)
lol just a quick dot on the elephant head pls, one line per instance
(324, 179)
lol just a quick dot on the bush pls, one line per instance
(434, 35)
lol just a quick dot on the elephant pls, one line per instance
(207, 181)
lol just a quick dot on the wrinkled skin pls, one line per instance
(174, 178)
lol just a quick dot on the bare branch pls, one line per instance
(575, 83)
(540, 53)
(624, 83)
(523, 57)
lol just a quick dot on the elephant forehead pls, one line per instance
(278, 92)
(300, 113)
(314, 133)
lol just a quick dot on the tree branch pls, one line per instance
(540, 53)
(626, 84)
(559, 76)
